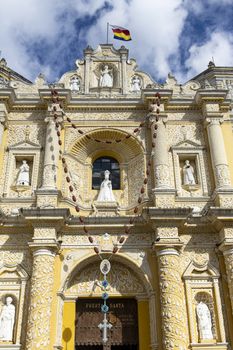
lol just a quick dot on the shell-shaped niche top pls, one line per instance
(106, 71)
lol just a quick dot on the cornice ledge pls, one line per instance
(220, 212)
(93, 221)
(165, 94)
(64, 95)
(204, 95)
(8, 95)
(168, 213)
(49, 214)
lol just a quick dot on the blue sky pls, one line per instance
(178, 36)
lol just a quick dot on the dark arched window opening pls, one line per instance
(99, 166)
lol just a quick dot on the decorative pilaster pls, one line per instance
(226, 236)
(228, 257)
(39, 317)
(153, 326)
(218, 154)
(171, 298)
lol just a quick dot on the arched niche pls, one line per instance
(128, 151)
(13, 280)
(202, 285)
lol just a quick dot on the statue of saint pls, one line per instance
(136, 84)
(204, 321)
(106, 194)
(23, 175)
(75, 84)
(7, 320)
(106, 79)
(188, 173)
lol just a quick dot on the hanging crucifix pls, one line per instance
(104, 326)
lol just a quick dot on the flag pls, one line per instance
(121, 33)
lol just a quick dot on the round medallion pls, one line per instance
(105, 266)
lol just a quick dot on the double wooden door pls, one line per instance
(122, 316)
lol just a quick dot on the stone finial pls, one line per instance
(211, 64)
(3, 62)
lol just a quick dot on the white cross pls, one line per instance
(105, 325)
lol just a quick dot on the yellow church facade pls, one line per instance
(108, 165)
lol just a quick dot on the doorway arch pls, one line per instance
(126, 280)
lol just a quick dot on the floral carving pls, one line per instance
(121, 280)
(229, 268)
(222, 175)
(172, 303)
(38, 327)
(162, 175)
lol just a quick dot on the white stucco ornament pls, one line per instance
(106, 79)
(7, 320)
(204, 321)
(188, 173)
(23, 175)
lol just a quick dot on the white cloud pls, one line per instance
(155, 27)
(219, 46)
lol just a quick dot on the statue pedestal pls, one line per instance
(9, 346)
(209, 345)
(105, 208)
(191, 188)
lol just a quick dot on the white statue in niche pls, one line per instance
(188, 174)
(75, 83)
(23, 175)
(106, 194)
(7, 320)
(136, 84)
(204, 321)
(106, 79)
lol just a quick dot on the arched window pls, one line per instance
(99, 166)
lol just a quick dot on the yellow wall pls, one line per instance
(228, 140)
(143, 325)
(68, 329)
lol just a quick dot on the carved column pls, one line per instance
(171, 298)
(3, 120)
(218, 153)
(124, 55)
(40, 308)
(88, 51)
(160, 157)
(51, 156)
(228, 257)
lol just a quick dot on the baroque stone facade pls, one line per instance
(171, 230)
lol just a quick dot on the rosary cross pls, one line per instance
(105, 325)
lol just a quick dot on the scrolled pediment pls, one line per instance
(25, 145)
(187, 144)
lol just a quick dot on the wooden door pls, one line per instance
(123, 317)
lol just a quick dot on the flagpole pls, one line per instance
(107, 31)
